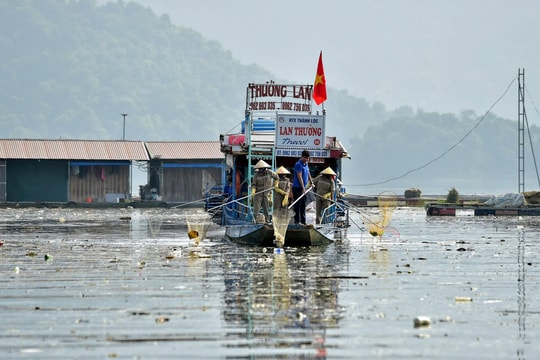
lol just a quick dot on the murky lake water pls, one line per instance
(78, 283)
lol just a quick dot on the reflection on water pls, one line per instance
(379, 260)
(521, 299)
(129, 284)
(282, 302)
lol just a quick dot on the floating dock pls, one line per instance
(481, 210)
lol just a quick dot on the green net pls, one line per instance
(198, 223)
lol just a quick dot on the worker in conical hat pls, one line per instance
(282, 189)
(324, 190)
(328, 171)
(261, 190)
(261, 164)
(282, 171)
(282, 193)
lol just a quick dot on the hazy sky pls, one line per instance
(437, 55)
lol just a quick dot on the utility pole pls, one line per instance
(124, 127)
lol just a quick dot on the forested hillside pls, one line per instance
(69, 69)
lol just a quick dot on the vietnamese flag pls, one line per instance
(319, 88)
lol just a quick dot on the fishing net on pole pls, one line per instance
(387, 204)
(198, 223)
(280, 222)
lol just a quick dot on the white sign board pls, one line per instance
(300, 131)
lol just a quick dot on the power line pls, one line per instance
(451, 147)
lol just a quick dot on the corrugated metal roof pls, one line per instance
(207, 150)
(72, 149)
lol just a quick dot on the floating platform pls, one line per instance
(481, 210)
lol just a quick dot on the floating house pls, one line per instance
(63, 171)
(183, 171)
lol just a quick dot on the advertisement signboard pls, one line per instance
(300, 131)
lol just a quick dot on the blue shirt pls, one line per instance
(304, 169)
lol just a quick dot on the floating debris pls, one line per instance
(422, 321)
(446, 319)
(161, 320)
(376, 232)
(462, 299)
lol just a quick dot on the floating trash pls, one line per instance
(161, 320)
(462, 299)
(422, 321)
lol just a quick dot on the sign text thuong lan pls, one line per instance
(300, 131)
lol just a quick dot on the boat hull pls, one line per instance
(263, 235)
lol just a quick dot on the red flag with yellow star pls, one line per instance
(319, 87)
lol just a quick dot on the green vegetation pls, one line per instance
(453, 196)
(412, 193)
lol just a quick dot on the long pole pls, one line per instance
(301, 196)
(241, 198)
(124, 127)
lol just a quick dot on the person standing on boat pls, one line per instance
(282, 189)
(325, 187)
(301, 179)
(261, 187)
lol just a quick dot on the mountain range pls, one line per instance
(69, 70)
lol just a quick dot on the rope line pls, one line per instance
(451, 147)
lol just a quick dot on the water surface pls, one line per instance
(129, 284)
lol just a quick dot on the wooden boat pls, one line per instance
(297, 235)
(278, 126)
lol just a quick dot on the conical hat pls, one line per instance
(281, 170)
(328, 171)
(262, 164)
